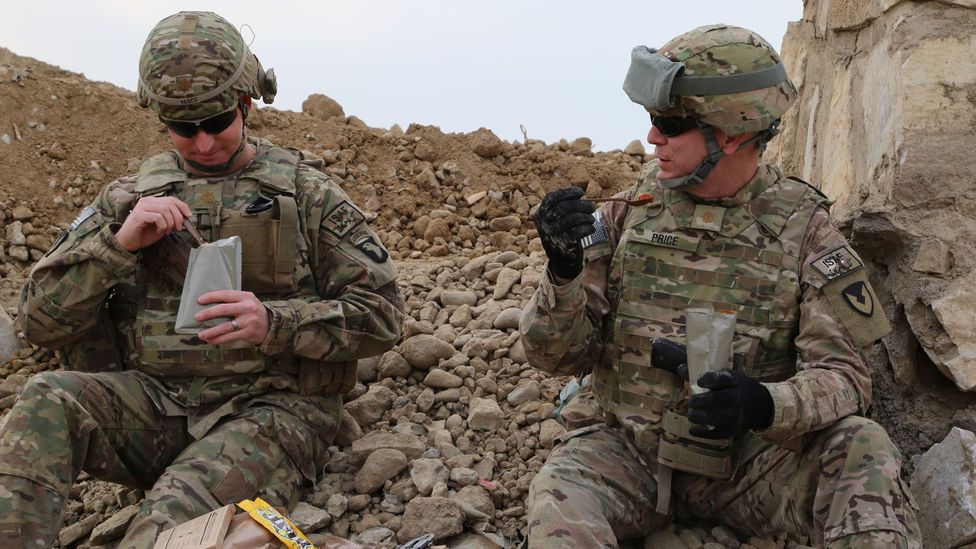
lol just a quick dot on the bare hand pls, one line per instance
(153, 218)
(248, 317)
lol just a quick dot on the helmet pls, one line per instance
(195, 65)
(724, 76)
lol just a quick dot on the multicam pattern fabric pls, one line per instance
(195, 65)
(841, 489)
(751, 253)
(723, 50)
(239, 420)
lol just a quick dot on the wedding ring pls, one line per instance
(234, 324)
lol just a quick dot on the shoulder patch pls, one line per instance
(341, 219)
(859, 298)
(600, 234)
(371, 248)
(837, 262)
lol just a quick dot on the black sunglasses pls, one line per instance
(213, 125)
(671, 126)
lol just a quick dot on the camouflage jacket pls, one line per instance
(567, 329)
(354, 309)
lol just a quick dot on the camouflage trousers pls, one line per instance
(108, 426)
(842, 490)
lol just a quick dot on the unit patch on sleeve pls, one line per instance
(859, 298)
(837, 262)
(341, 219)
(600, 233)
(368, 245)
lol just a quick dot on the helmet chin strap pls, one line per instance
(701, 172)
(715, 154)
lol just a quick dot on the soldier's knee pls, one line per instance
(43, 383)
(859, 432)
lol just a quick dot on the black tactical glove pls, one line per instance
(669, 355)
(733, 404)
(562, 220)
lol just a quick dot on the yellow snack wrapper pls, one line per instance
(282, 528)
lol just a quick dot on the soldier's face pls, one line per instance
(678, 155)
(210, 149)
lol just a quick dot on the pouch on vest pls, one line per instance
(213, 266)
(98, 351)
(269, 244)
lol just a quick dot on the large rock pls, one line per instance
(369, 408)
(322, 107)
(944, 485)
(486, 144)
(438, 516)
(955, 311)
(410, 445)
(425, 351)
(380, 466)
(909, 89)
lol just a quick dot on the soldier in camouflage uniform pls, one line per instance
(775, 437)
(247, 407)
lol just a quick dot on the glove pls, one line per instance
(733, 404)
(562, 220)
(669, 355)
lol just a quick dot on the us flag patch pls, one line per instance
(600, 233)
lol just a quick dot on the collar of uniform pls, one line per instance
(273, 167)
(765, 176)
(158, 172)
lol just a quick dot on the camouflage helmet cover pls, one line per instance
(721, 51)
(195, 65)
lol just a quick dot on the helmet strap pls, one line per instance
(715, 154)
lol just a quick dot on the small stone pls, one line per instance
(438, 516)
(337, 505)
(392, 364)
(440, 379)
(526, 392)
(508, 319)
(309, 518)
(458, 297)
(115, 526)
(425, 473)
(505, 223)
(581, 146)
(425, 351)
(462, 476)
(485, 415)
(725, 536)
(411, 446)
(503, 284)
(380, 466)
(22, 213)
(77, 531)
(369, 408)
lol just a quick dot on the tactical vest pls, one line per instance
(258, 204)
(675, 253)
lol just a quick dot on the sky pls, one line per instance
(554, 68)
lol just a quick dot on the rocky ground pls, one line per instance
(445, 432)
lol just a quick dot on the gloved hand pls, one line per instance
(733, 404)
(562, 220)
(669, 355)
